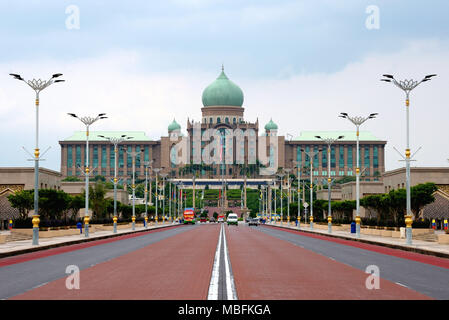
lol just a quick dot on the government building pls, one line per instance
(223, 144)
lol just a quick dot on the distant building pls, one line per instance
(223, 110)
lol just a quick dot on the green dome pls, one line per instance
(271, 125)
(174, 126)
(223, 92)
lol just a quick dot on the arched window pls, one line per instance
(234, 121)
(227, 120)
(218, 120)
(210, 120)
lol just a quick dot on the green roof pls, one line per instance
(271, 125)
(93, 135)
(222, 92)
(174, 126)
(348, 135)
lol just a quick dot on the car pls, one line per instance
(232, 219)
(203, 219)
(253, 222)
(212, 219)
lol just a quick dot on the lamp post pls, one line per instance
(281, 178)
(329, 142)
(163, 175)
(298, 166)
(147, 168)
(311, 155)
(37, 85)
(133, 186)
(288, 170)
(357, 121)
(156, 170)
(87, 121)
(115, 141)
(407, 86)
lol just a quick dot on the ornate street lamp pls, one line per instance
(357, 121)
(115, 141)
(37, 85)
(329, 142)
(407, 86)
(311, 154)
(87, 121)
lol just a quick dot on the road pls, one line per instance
(214, 261)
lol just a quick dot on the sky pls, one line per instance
(300, 63)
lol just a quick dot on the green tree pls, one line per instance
(97, 201)
(75, 204)
(23, 201)
(52, 203)
(422, 195)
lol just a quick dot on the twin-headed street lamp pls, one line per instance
(147, 165)
(281, 182)
(288, 170)
(311, 154)
(407, 86)
(115, 141)
(163, 175)
(133, 155)
(37, 85)
(87, 121)
(329, 142)
(357, 121)
(298, 166)
(156, 170)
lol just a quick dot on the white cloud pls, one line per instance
(135, 100)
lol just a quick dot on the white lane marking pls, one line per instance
(403, 285)
(230, 287)
(213, 286)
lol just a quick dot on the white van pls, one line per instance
(233, 219)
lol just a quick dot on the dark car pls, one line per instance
(212, 219)
(254, 222)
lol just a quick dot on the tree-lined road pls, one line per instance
(224, 262)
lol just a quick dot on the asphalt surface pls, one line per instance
(252, 263)
(20, 277)
(425, 278)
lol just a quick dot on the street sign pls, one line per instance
(305, 204)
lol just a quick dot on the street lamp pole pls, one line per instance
(37, 85)
(329, 142)
(288, 194)
(147, 168)
(298, 165)
(357, 121)
(407, 86)
(311, 154)
(87, 121)
(115, 141)
(133, 186)
(163, 175)
(281, 178)
(156, 170)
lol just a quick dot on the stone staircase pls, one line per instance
(18, 237)
(431, 237)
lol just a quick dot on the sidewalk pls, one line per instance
(418, 246)
(26, 246)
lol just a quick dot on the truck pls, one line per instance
(189, 216)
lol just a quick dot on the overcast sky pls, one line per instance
(298, 62)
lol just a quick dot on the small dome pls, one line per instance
(271, 126)
(222, 92)
(174, 126)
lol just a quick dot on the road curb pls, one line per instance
(69, 243)
(389, 245)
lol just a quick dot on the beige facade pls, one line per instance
(395, 179)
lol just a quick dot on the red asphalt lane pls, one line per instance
(265, 267)
(423, 258)
(72, 247)
(175, 268)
